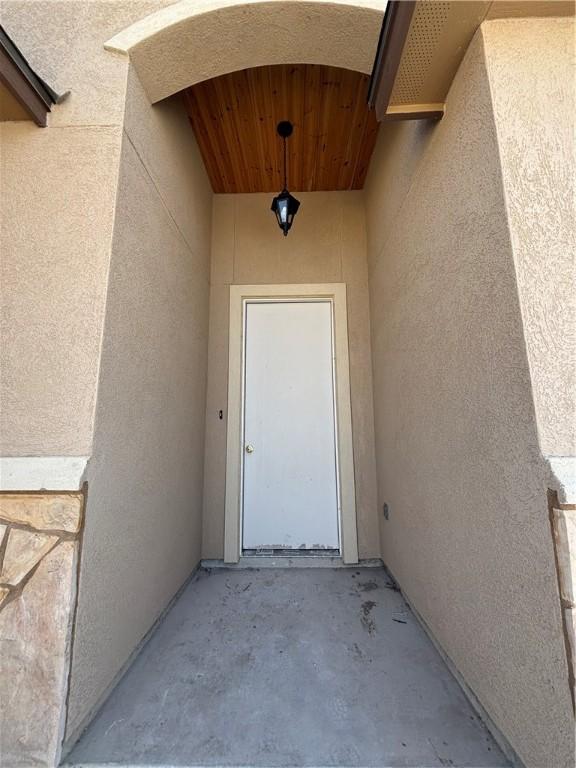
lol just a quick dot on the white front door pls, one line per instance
(290, 488)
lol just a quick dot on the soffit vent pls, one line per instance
(428, 24)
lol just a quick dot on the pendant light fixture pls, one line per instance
(284, 205)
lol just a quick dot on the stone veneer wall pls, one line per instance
(39, 548)
(563, 524)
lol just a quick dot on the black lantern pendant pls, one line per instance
(284, 205)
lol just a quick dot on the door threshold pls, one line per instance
(286, 552)
(284, 561)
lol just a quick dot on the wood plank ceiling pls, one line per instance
(235, 116)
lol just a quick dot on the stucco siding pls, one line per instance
(196, 40)
(534, 110)
(57, 195)
(458, 460)
(57, 191)
(327, 244)
(143, 518)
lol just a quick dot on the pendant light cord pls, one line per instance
(285, 176)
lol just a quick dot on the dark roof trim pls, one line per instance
(25, 85)
(393, 34)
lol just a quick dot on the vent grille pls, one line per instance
(427, 26)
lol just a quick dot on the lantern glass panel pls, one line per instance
(285, 207)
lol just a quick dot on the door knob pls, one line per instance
(249, 449)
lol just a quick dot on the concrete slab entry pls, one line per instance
(288, 667)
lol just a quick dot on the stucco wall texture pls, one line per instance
(194, 40)
(143, 519)
(458, 459)
(327, 244)
(56, 228)
(534, 102)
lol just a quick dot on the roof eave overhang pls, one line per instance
(27, 87)
(393, 35)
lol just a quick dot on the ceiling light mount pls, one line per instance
(285, 129)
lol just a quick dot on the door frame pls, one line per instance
(239, 294)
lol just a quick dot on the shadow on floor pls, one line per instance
(290, 667)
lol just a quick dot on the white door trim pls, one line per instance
(234, 450)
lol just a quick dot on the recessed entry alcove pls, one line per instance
(280, 334)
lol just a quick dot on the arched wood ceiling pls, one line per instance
(234, 118)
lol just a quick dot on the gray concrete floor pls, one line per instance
(288, 667)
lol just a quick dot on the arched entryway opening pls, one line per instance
(171, 271)
(192, 41)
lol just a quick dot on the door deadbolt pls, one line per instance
(249, 449)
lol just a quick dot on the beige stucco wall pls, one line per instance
(143, 518)
(327, 244)
(534, 104)
(458, 459)
(57, 192)
(57, 195)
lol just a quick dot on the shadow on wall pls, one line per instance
(458, 459)
(144, 516)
